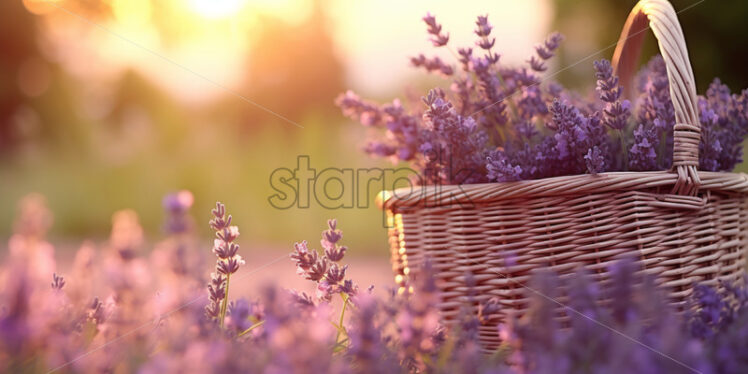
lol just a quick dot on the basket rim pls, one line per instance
(444, 195)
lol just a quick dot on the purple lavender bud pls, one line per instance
(238, 315)
(356, 108)
(499, 168)
(643, 154)
(96, 312)
(466, 56)
(434, 64)
(712, 310)
(225, 250)
(228, 263)
(545, 51)
(177, 206)
(331, 236)
(178, 202)
(607, 83)
(537, 64)
(335, 253)
(303, 257)
(303, 300)
(349, 288)
(57, 282)
(216, 293)
(435, 30)
(325, 290)
(488, 309)
(317, 271)
(228, 234)
(219, 220)
(335, 274)
(368, 349)
(212, 310)
(380, 149)
(483, 28)
(486, 43)
(594, 160)
(616, 112)
(568, 123)
(229, 266)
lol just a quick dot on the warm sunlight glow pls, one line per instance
(217, 8)
(40, 6)
(132, 12)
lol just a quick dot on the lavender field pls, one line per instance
(192, 186)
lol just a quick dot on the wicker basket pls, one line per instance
(684, 226)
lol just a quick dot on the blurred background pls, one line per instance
(111, 104)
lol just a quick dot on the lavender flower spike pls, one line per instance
(438, 38)
(57, 282)
(594, 160)
(545, 51)
(483, 30)
(616, 112)
(228, 263)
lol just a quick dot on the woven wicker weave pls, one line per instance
(684, 226)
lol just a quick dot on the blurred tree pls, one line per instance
(18, 35)
(139, 103)
(715, 32)
(37, 97)
(293, 68)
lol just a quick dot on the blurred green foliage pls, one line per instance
(715, 31)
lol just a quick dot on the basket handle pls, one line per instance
(660, 16)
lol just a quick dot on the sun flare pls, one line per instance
(216, 8)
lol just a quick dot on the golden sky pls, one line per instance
(211, 38)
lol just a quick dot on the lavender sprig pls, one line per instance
(483, 30)
(438, 38)
(545, 51)
(490, 127)
(616, 112)
(326, 272)
(228, 263)
(58, 282)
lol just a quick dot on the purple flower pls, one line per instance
(57, 282)
(545, 52)
(616, 112)
(643, 154)
(228, 263)
(656, 114)
(724, 122)
(438, 38)
(569, 126)
(541, 129)
(303, 257)
(335, 253)
(483, 30)
(360, 110)
(499, 168)
(177, 206)
(434, 64)
(317, 271)
(325, 271)
(335, 274)
(303, 300)
(594, 160)
(230, 266)
(466, 57)
(489, 309)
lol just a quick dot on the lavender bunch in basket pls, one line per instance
(502, 123)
